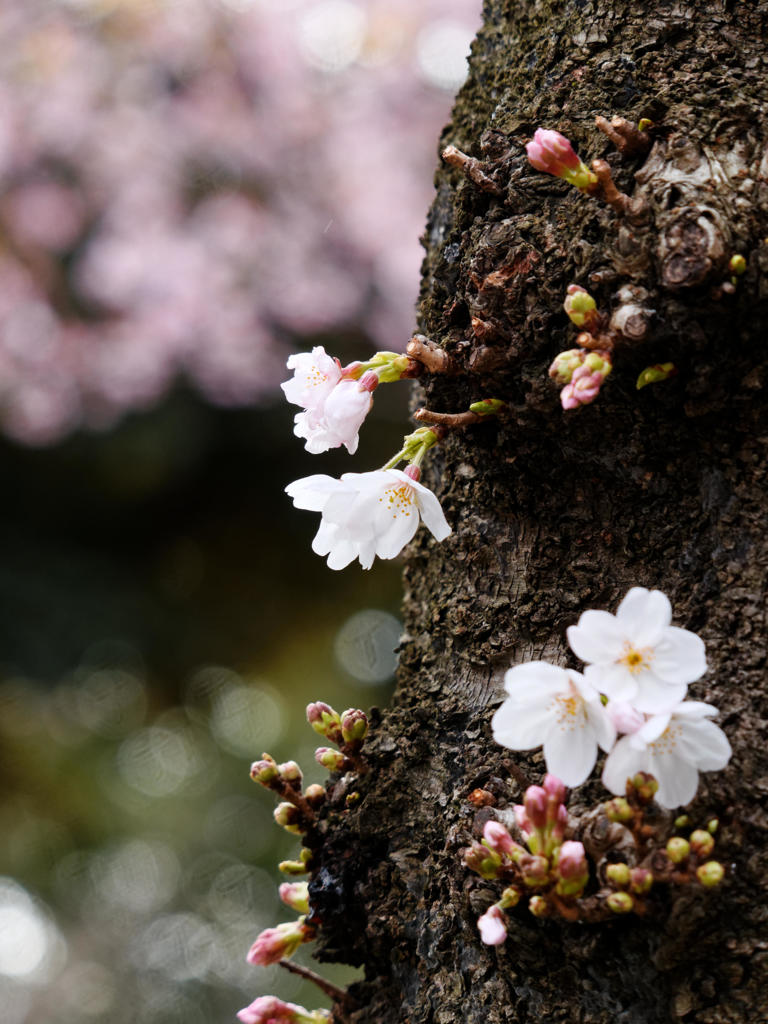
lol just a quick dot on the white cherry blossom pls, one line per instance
(636, 655)
(367, 515)
(315, 375)
(674, 747)
(558, 708)
(339, 421)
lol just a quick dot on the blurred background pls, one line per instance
(189, 191)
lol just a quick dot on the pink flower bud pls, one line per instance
(584, 387)
(291, 773)
(535, 870)
(565, 363)
(624, 717)
(523, 821)
(535, 801)
(369, 381)
(413, 472)
(493, 926)
(270, 1010)
(296, 896)
(551, 152)
(264, 771)
(354, 726)
(641, 880)
(554, 788)
(325, 721)
(498, 839)
(275, 943)
(486, 862)
(572, 861)
(331, 759)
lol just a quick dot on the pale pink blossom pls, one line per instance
(551, 152)
(339, 420)
(270, 1010)
(493, 926)
(315, 375)
(673, 747)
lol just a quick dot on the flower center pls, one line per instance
(667, 742)
(399, 500)
(316, 377)
(569, 710)
(636, 659)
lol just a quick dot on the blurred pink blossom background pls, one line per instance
(191, 188)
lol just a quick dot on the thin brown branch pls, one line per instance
(430, 355)
(472, 169)
(448, 419)
(634, 209)
(339, 995)
(625, 136)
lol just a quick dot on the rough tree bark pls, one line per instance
(554, 513)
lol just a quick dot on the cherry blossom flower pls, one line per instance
(315, 375)
(339, 419)
(673, 747)
(492, 926)
(367, 515)
(636, 655)
(558, 708)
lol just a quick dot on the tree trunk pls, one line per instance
(555, 512)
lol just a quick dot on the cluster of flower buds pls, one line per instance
(271, 1010)
(347, 730)
(551, 152)
(581, 372)
(550, 871)
(296, 813)
(680, 861)
(363, 515)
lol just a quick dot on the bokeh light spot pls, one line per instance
(365, 646)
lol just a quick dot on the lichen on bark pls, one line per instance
(554, 513)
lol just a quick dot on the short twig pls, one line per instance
(625, 136)
(448, 419)
(431, 356)
(633, 209)
(339, 995)
(472, 169)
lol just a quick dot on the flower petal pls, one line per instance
(312, 492)
(598, 637)
(521, 727)
(571, 753)
(621, 764)
(614, 680)
(540, 678)
(655, 695)
(679, 656)
(431, 513)
(704, 744)
(601, 724)
(678, 780)
(643, 614)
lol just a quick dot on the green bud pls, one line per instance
(293, 867)
(654, 374)
(618, 875)
(678, 849)
(538, 906)
(288, 817)
(644, 786)
(510, 898)
(352, 799)
(618, 810)
(265, 771)
(712, 826)
(644, 124)
(354, 726)
(641, 880)
(389, 366)
(598, 363)
(331, 759)
(564, 364)
(315, 795)
(710, 874)
(620, 902)
(324, 720)
(702, 843)
(682, 821)
(290, 773)
(580, 306)
(737, 264)
(487, 406)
